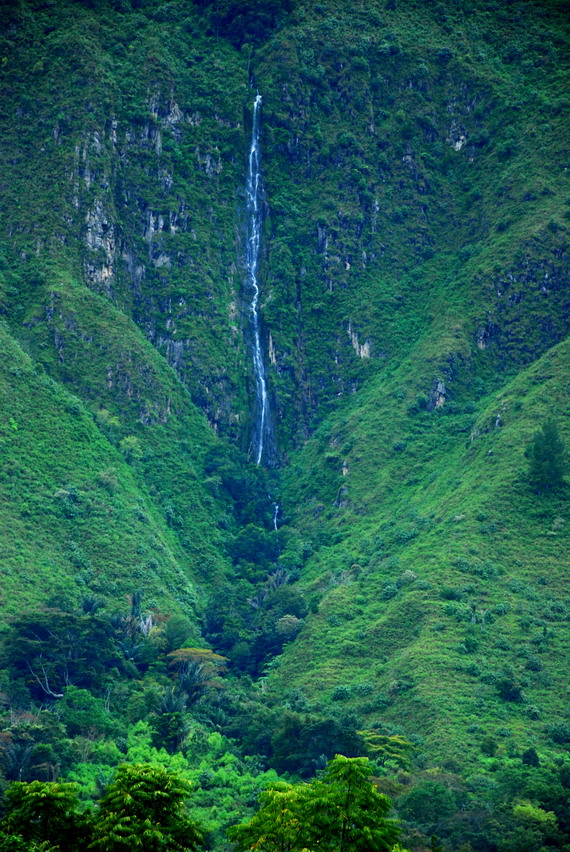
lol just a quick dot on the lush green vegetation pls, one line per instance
(412, 604)
(144, 807)
(342, 810)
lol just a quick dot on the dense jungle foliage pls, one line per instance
(391, 582)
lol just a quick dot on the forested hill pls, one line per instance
(391, 579)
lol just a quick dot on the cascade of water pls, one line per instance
(254, 224)
(275, 515)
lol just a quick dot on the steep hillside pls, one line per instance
(390, 567)
(431, 269)
(438, 568)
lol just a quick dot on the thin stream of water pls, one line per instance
(254, 225)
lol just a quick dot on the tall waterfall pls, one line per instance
(254, 224)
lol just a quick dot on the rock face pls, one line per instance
(368, 156)
(363, 185)
(528, 301)
(361, 349)
(437, 395)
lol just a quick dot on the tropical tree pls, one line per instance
(303, 742)
(347, 811)
(34, 748)
(197, 670)
(144, 809)
(546, 455)
(41, 812)
(50, 649)
(280, 825)
(16, 843)
(170, 724)
(340, 812)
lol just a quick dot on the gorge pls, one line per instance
(284, 314)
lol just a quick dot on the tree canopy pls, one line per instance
(143, 808)
(41, 813)
(341, 810)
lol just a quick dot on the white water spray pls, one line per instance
(275, 515)
(254, 223)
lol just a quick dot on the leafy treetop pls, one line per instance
(546, 454)
(143, 808)
(341, 810)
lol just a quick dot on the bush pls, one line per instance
(510, 689)
(449, 594)
(546, 456)
(427, 803)
(530, 757)
(559, 733)
(341, 693)
(533, 713)
(489, 746)
(246, 22)
(131, 448)
(556, 611)
(363, 688)
(406, 578)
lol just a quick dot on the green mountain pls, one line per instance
(397, 563)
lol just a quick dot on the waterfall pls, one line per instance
(275, 515)
(254, 223)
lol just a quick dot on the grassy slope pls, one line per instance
(72, 509)
(454, 507)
